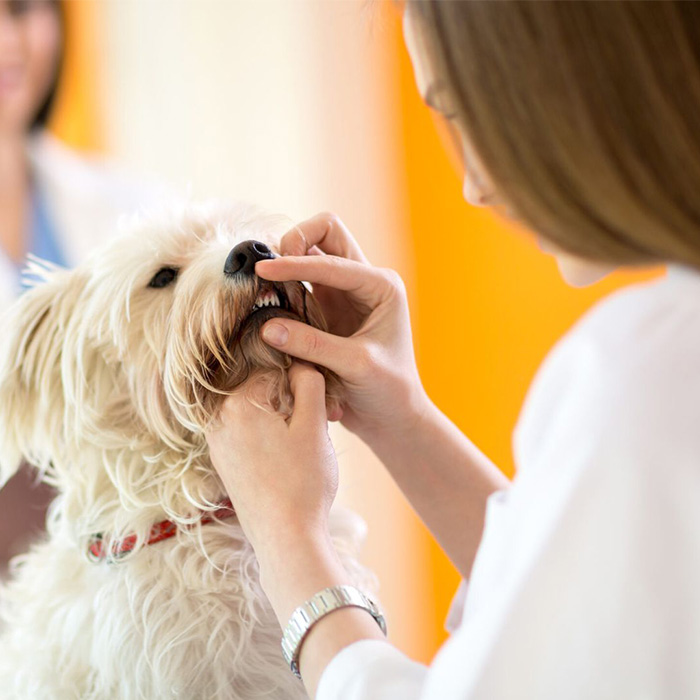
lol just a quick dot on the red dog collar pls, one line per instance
(159, 532)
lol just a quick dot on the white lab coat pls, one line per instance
(84, 198)
(587, 579)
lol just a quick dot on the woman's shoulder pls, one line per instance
(642, 314)
(644, 334)
(626, 377)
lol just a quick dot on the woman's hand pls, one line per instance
(369, 345)
(281, 475)
(282, 483)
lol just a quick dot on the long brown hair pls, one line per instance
(585, 115)
(44, 113)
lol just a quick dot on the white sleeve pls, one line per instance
(374, 670)
(371, 670)
(456, 611)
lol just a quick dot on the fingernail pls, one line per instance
(275, 334)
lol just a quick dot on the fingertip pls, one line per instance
(335, 412)
(275, 333)
(301, 369)
(264, 265)
(303, 374)
(308, 388)
(294, 242)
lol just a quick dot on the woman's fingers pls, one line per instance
(242, 409)
(309, 391)
(327, 232)
(368, 285)
(307, 343)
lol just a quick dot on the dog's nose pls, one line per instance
(242, 258)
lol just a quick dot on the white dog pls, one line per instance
(109, 375)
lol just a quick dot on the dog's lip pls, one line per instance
(278, 290)
(267, 312)
(270, 297)
(283, 308)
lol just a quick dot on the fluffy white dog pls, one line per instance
(109, 375)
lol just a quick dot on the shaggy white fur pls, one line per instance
(106, 386)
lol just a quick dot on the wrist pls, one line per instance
(273, 537)
(416, 410)
(296, 566)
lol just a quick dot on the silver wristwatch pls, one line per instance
(310, 612)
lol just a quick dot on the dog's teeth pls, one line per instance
(267, 299)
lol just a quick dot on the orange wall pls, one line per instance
(487, 305)
(75, 119)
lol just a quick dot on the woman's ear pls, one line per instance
(32, 335)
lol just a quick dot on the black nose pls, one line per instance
(242, 258)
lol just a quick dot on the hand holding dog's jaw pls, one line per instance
(369, 344)
(280, 473)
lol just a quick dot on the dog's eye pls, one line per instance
(164, 277)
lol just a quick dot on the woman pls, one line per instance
(53, 203)
(582, 120)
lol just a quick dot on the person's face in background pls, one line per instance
(477, 188)
(30, 39)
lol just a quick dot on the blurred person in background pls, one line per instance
(54, 203)
(582, 119)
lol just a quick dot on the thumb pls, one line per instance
(307, 343)
(309, 390)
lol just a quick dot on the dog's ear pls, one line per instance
(31, 393)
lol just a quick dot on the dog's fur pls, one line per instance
(107, 386)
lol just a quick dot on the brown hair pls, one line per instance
(585, 115)
(43, 114)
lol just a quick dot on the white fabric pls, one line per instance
(84, 197)
(587, 579)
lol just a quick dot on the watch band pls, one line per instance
(318, 606)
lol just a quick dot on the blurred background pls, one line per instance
(310, 105)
